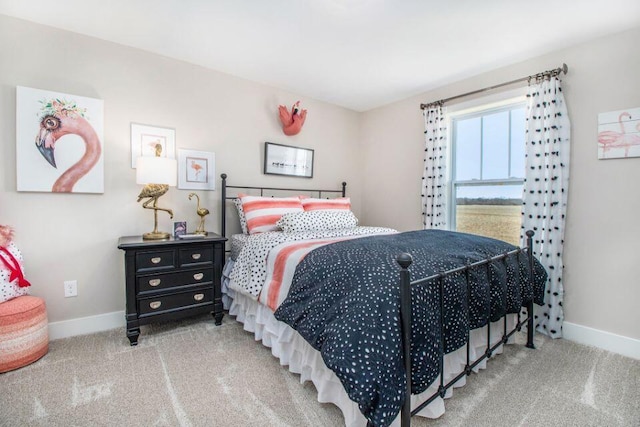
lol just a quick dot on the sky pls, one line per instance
(490, 147)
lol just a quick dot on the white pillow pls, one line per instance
(317, 221)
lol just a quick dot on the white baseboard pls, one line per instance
(625, 346)
(86, 325)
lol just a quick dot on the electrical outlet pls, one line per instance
(70, 288)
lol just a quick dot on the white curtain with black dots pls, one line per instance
(434, 175)
(545, 192)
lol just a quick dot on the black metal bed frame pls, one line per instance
(405, 260)
(224, 197)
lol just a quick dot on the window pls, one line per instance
(488, 166)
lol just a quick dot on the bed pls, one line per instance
(341, 310)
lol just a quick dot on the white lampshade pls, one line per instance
(156, 170)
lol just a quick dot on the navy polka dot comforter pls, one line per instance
(345, 301)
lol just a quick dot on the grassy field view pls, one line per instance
(498, 221)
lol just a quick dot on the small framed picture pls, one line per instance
(287, 160)
(146, 139)
(196, 170)
(179, 228)
(619, 134)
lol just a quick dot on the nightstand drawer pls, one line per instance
(160, 260)
(169, 302)
(195, 256)
(170, 280)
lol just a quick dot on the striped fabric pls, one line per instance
(310, 204)
(262, 213)
(281, 266)
(24, 335)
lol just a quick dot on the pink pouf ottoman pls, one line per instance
(24, 334)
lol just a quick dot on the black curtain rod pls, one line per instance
(544, 74)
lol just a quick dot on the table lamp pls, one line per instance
(157, 174)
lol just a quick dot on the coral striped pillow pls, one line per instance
(262, 213)
(342, 203)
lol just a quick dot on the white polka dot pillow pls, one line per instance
(243, 219)
(311, 204)
(317, 221)
(262, 213)
(10, 287)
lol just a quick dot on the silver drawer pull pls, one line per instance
(155, 304)
(154, 282)
(156, 260)
(196, 256)
(198, 276)
(198, 297)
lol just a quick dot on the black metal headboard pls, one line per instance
(224, 197)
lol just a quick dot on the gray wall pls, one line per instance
(602, 289)
(74, 236)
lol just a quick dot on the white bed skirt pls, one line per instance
(293, 351)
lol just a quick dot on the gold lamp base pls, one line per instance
(162, 172)
(153, 192)
(155, 235)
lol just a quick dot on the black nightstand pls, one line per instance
(171, 279)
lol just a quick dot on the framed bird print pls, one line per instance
(196, 170)
(59, 142)
(146, 139)
(619, 134)
(287, 160)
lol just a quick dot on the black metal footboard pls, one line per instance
(405, 313)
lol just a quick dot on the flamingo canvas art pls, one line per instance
(619, 134)
(59, 142)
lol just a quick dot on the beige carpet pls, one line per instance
(192, 373)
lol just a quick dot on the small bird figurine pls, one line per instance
(292, 121)
(202, 212)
